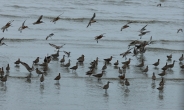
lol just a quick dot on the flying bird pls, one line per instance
(50, 35)
(180, 30)
(99, 37)
(125, 26)
(56, 19)
(7, 26)
(22, 27)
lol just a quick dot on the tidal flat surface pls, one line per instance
(76, 90)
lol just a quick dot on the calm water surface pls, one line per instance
(77, 91)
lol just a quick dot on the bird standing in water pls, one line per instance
(106, 86)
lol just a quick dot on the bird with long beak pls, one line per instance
(106, 86)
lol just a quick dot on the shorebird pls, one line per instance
(180, 30)
(36, 60)
(122, 77)
(108, 59)
(8, 67)
(127, 83)
(182, 66)
(106, 86)
(50, 35)
(56, 54)
(104, 67)
(127, 62)
(141, 64)
(92, 20)
(17, 62)
(63, 59)
(145, 70)
(181, 58)
(2, 43)
(74, 67)
(7, 26)
(22, 27)
(93, 65)
(38, 71)
(90, 72)
(30, 69)
(171, 65)
(39, 20)
(162, 74)
(48, 58)
(169, 57)
(120, 70)
(165, 67)
(99, 37)
(67, 64)
(2, 71)
(99, 75)
(156, 63)
(159, 5)
(67, 53)
(124, 66)
(55, 46)
(4, 79)
(81, 59)
(57, 77)
(124, 54)
(153, 77)
(56, 19)
(161, 82)
(125, 26)
(116, 63)
(41, 79)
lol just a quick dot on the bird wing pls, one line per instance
(53, 45)
(49, 35)
(1, 39)
(144, 27)
(25, 65)
(23, 23)
(91, 19)
(93, 16)
(60, 14)
(39, 18)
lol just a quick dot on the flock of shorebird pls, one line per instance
(137, 47)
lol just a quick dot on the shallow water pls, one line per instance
(76, 90)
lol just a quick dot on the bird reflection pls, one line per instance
(161, 97)
(127, 90)
(153, 85)
(41, 86)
